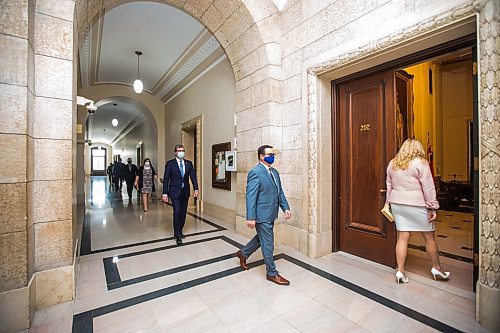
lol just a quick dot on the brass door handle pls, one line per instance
(382, 190)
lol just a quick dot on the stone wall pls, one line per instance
(16, 96)
(489, 117)
(36, 150)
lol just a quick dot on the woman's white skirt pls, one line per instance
(411, 218)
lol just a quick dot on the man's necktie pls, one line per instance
(274, 179)
(181, 166)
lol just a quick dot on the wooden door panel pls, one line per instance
(365, 142)
(366, 120)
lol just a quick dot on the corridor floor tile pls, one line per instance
(199, 287)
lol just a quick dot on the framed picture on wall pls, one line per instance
(404, 107)
(221, 177)
(230, 160)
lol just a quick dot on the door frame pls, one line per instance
(196, 124)
(99, 173)
(469, 40)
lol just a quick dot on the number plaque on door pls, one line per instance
(364, 127)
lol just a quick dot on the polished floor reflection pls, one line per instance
(134, 278)
(115, 221)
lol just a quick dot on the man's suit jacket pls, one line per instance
(172, 180)
(130, 174)
(119, 170)
(264, 197)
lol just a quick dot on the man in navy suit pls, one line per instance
(264, 196)
(176, 186)
(129, 173)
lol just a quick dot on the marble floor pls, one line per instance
(455, 237)
(133, 278)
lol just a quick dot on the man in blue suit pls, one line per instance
(263, 199)
(176, 186)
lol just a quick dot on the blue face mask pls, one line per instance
(269, 159)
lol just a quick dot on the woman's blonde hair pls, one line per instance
(410, 149)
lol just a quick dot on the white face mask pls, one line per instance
(146, 163)
(180, 154)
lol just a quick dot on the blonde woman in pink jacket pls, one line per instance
(412, 197)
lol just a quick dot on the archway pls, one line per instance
(249, 37)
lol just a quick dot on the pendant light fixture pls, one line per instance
(138, 86)
(114, 122)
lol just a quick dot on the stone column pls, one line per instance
(488, 287)
(36, 93)
(50, 154)
(16, 97)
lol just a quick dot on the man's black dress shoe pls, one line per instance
(178, 240)
(243, 260)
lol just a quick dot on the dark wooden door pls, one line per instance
(366, 127)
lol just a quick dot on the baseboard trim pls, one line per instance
(45, 288)
(221, 213)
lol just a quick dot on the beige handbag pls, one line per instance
(386, 210)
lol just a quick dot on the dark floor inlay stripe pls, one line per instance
(111, 271)
(151, 241)
(83, 322)
(156, 275)
(83, 319)
(441, 253)
(156, 249)
(86, 246)
(215, 225)
(113, 280)
(374, 297)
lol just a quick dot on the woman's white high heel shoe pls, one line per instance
(400, 277)
(444, 276)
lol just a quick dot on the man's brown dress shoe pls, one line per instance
(243, 260)
(278, 279)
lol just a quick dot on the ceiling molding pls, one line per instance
(208, 63)
(194, 61)
(189, 51)
(196, 78)
(96, 41)
(84, 52)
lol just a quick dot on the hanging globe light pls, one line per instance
(138, 86)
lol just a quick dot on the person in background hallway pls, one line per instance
(176, 186)
(120, 174)
(144, 181)
(109, 172)
(412, 197)
(130, 175)
(115, 175)
(264, 197)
